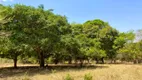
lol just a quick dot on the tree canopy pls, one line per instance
(27, 31)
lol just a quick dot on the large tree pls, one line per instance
(39, 28)
(102, 33)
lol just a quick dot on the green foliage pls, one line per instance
(123, 38)
(128, 51)
(68, 77)
(53, 71)
(131, 51)
(27, 60)
(25, 77)
(4, 60)
(35, 27)
(88, 77)
(49, 60)
(124, 45)
(33, 34)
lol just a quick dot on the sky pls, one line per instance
(124, 15)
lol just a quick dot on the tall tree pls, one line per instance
(103, 33)
(36, 27)
(107, 37)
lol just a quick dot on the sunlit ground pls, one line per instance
(98, 72)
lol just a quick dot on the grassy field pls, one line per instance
(99, 72)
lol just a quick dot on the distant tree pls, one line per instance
(107, 37)
(124, 44)
(103, 34)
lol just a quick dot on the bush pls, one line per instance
(27, 60)
(53, 71)
(68, 77)
(49, 60)
(25, 76)
(88, 77)
(5, 60)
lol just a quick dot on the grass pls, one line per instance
(59, 72)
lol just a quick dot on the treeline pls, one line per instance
(27, 32)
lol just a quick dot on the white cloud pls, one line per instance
(6, 0)
(3, 0)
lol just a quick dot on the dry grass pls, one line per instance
(99, 72)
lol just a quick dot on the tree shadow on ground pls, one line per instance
(51, 68)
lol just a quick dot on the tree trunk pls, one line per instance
(41, 60)
(88, 61)
(70, 61)
(135, 61)
(15, 61)
(81, 62)
(40, 56)
(111, 61)
(75, 61)
(97, 61)
(115, 61)
(139, 61)
(102, 59)
(56, 61)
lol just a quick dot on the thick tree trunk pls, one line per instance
(56, 61)
(15, 61)
(40, 56)
(41, 60)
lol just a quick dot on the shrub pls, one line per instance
(5, 60)
(68, 77)
(25, 77)
(88, 77)
(27, 60)
(49, 60)
(53, 71)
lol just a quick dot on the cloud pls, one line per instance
(6, 0)
(3, 0)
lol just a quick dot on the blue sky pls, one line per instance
(123, 15)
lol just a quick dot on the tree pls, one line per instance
(124, 45)
(107, 37)
(11, 50)
(103, 33)
(122, 40)
(47, 35)
(130, 52)
(35, 27)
